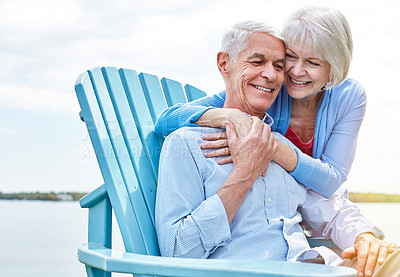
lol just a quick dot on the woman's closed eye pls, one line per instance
(290, 57)
(313, 63)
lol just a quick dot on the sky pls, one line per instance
(46, 44)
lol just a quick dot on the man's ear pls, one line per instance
(222, 62)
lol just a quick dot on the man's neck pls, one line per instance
(232, 102)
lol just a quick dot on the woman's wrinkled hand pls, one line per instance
(241, 121)
(370, 251)
(218, 144)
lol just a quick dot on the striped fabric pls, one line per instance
(191, 220)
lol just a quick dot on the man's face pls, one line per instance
(256, 78)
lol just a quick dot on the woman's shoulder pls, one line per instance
(346, 96)
(348, 88)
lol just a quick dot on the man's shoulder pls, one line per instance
(283, 139)
(189, 136)
(280, 137)
(189, 133)
(185, 143)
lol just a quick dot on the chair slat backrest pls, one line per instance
(100, 118)
(154, 95)
(193, 93)
(173, 92)
(120, 108)
(150, 145)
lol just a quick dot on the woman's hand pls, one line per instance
(369, 251)
(218, 141)
(217, 118)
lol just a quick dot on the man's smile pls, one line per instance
(263, 88)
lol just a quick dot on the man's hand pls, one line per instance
(369, 251)
(253, 152)
(251, 156)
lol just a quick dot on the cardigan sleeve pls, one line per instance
(339, 122)
(180, 115)
(337, 141)
(337, 218)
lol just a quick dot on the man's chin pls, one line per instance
(260, 110)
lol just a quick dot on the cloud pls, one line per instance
(32, 99)
(46, 44)
(6, 131)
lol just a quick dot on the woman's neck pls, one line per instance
(309, 103)
(302, 117)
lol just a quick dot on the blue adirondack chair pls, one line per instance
(119, 108)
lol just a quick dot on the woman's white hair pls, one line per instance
(327, 32)
(235, 39)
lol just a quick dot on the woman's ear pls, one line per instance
(222, 62)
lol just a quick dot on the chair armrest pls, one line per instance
(94, 197)
(98, 256)
(100, 216)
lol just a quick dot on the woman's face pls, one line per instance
(305, 73)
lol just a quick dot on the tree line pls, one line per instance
(75, 196)
(374, 197)
(45, 196)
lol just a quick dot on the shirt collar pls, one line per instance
(267, 119)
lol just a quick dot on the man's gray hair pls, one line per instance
(327, 32)
(235, 39)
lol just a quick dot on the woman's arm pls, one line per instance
(187, 114)
(324, 174)
(336, 142)
(217, 117)
(285, 156)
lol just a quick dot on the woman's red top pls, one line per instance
(306, 148)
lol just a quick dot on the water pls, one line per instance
(41, 238)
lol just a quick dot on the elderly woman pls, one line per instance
(318, 109)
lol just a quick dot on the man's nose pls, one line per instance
(269, 72)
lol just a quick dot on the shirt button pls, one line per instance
(269, 200)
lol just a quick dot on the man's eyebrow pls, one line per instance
(262, 56)
(257, 55)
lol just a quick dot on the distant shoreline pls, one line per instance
(359, 197)
(43, 196)
(356, 197)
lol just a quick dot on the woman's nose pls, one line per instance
(297, 68)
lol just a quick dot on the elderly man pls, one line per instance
(251, 209)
